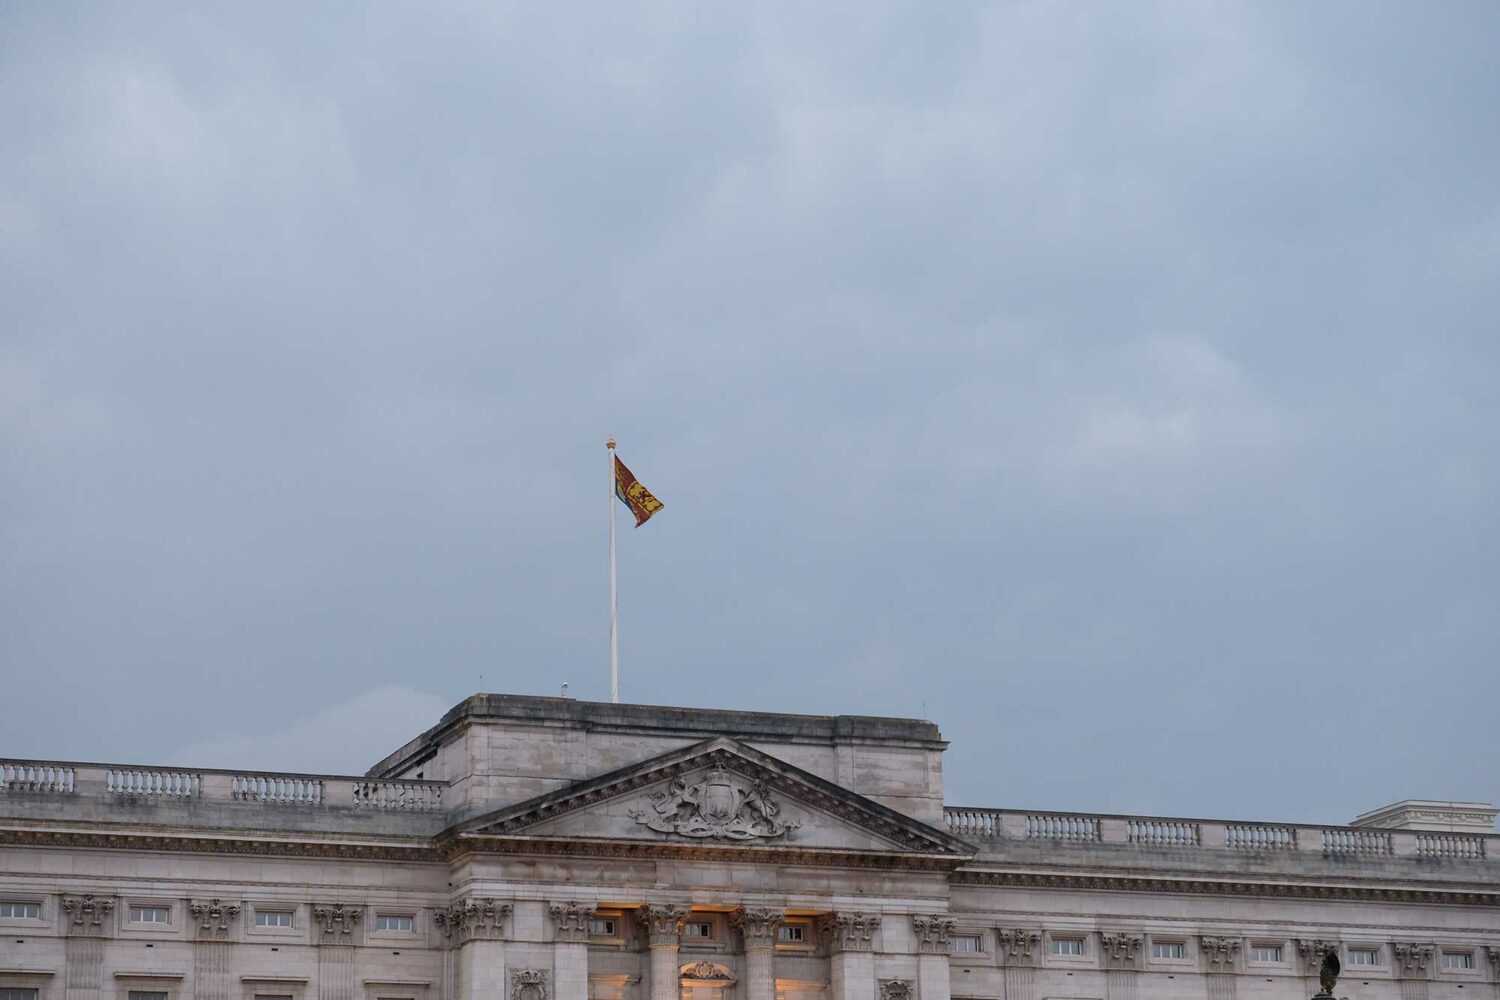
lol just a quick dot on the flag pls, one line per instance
(633, 495)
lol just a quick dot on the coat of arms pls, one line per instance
(716, 807)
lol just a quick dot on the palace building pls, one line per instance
(551, 849)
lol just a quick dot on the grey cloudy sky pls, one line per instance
(1114, 384)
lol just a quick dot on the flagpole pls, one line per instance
(614, 615)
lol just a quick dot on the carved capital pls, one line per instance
(758, 926)
(852, 931)
(1018, 946)
(1121, 949)
(570, 921)
(896, 989)
(934, 933)
(1220, 954)
(663, 924)
(87, 914)
(214, 918)
(337, 922)
(528, 984)
(1413, 960)
(1494, 953)
(1312, 951)
(468, 919)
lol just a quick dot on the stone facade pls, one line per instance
(549, 849)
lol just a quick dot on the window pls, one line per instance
(1271, 953)
(273, 918)
(698, 930)
(17, 994)
(603, 927)
(791, 933)
(150, 914)
(148, 995)
(965, 944)
(393, 922)
(21, 911)
(1067, 946)
(1458, 960)
(1364, 956)
(273, 996)
(1168, 949)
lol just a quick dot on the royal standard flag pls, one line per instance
(633, 495)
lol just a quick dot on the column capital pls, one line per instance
(1018, 946)
(663, 923)
(337, 921)
(757, 925)
(850, 931)
(1313, 950)
(213, 917)
(88, 914)
(1220, 954)
(934, 932)
(1413, 960)
(475, 918)
(570, 921)
(1121, 949)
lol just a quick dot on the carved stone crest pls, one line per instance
(528, 984)
(895, 989)
(717, 806)
(706, 973)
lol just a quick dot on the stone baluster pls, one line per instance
(88, 922)
(758, 927)
(570, 958)
(851, 938)
(1121, 952)
(934, 933)
(213, 922)
(474, 931)
(664, 932)
(1018, 950)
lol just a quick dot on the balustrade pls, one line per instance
(414, 796)
(1163, 832)
(277, 789)
(24, 776)
(1450, 845)
(1350, 841)
(141, 781)
(1260, 837)
(1057, 826)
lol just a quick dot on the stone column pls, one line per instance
(1018, 950)
(1121, 952)
(87, 924)
(473, 930)
(335, 938)
(1414, 968)
(664, 931)
(934, 934)
(212, 920)
(570, 956)
(758, 927)
(1220, 956)
(851, 963)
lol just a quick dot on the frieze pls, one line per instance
(468, 919)
(758, 926)
(214, 918)
(706, 973)
(1220, 953)
(896, 989)
(1121, 950)
(718, 807)
(528, 984)
(850, 931)
(1018, 946)
(934, 933)
(570, 921)
(87, 914)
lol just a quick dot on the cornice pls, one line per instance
(470, 844)
(130, 840)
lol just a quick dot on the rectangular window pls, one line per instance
(1458, 960)
(1168, 949)
(1067, 946)
(17, 994)
(1266, 953)
(603, 927)
(965, 944)
(273, 918)
(791, 933)
(698, 930)
(393, 922)
(148, 995)
(150, 914)
(273, 996)
(1364, 956)
(21, 911)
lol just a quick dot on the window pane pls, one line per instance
(149, 914)
(393, 922)
(1168, 950)
(1458, 960)
(967, 943)
(24, 911)
(1266, 953)
(273, 918)
(148, 995)
(1067, 946)
(602, 927)
(792, 932)
(1363, 956)
(700, 930)
(17, 994)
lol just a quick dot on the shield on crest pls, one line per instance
(718, 797)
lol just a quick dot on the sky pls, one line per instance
(1112, 384)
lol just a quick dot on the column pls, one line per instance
(1017, 949)
(1122, 955)
(474, 932)
(934, 933)
(758, 927)
(570, 955)
(212, 921)
(851, 964)
(1220, 957)
(335, 938)
(664, 930)
(88, 921)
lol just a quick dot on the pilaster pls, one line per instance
(1018, 950)
(1311, 952)
(570, 959)
(213, 919)
(664, 934)
(88, 922)
(1414, 968)
(934, 934)
(473, 930)
(758, 928)
(1121, 954)
(334, 935)
(1220, 956)
(851, 937)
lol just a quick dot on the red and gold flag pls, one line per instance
(633, 495)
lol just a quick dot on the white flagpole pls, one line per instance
(614, 614)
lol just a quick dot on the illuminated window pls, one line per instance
(791, 933)
(698, 930)
(603, 927)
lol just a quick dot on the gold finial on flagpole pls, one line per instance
(610, 444)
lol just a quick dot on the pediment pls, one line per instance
(717, 794)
